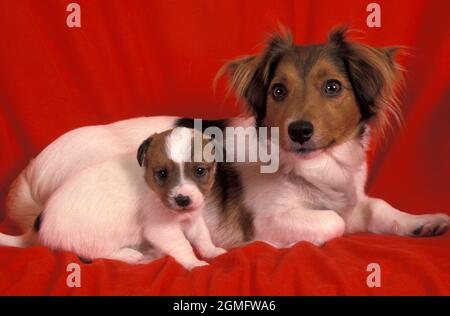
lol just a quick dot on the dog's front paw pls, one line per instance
(213, 252)
(199, 263)
(432, 225)
(333, 228)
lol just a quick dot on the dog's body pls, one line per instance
(323, 98)
(108, 211)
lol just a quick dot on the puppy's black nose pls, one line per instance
(182, 200)
(300, 131)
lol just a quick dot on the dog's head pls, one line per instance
(171, 170)
(318, 95)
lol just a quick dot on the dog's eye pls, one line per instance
(279, 92)
(161, 174)
(332, 87)
(200, 172)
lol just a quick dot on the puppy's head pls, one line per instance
(171, 172)
(318, 95)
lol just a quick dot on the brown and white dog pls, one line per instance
(108, 211)
(324, 99)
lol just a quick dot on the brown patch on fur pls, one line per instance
(250, 75)
(246, 223)
(238, 220)
(370, 77)
(334, 118)
(375, 76)
(227, 192)
(205, 182)
(155, 159)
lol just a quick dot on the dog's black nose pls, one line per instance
(182, 200)
(300, 131)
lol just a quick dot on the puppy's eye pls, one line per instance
(332, 87)
(200, 172)
(161, 174)
(279, 92)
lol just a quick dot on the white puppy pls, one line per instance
(112, 209)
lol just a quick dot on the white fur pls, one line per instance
(178, 148)
(322, 198)
(71, 153)
(187, 188)
(307, 199)
(179, 144)
(108, 211)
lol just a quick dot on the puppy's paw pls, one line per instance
(213, 252)
(199, 263)
(431, 225)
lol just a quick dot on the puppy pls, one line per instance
(325, 99)
(111, 210)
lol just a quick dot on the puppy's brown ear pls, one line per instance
(250, 76)
(142, 152)
(374, 75)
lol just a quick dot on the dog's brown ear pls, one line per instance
(374, 75)
(250, 76)
(142, 152)
(242, 79)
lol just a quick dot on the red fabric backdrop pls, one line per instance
(134, 58)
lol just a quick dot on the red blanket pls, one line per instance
(159, 57)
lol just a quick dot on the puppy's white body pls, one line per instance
(307, 199)
(108, 211)
(68, 155)
(101, 210)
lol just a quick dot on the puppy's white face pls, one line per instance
(181, 184)
(185, 193)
